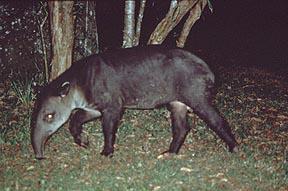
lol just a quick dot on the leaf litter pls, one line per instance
(253, 101)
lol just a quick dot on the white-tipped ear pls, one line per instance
(64, 89)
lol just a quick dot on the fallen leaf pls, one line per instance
(282, 117)
(186, 169)
(30, 168)
(256, 119)
(156, 188)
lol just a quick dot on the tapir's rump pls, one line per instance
(139, 78)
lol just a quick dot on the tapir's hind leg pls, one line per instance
(202, 106)
(75, 126)
(180, 127)
(110, 120)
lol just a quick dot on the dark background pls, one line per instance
(248, 32)
(241, 32)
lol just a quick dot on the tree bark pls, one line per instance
(62, 25)
(93, 26)
(91, 43)
(172, 18)
(195, 14)
(86, 34)
(129, 24)
(139, 22)
(173, 4)
(41, 25)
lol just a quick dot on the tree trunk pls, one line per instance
(62, 25)
(93, 27)
(129, 24)
(41, 24)
(195, 14)
(91, 44)
(173, 4)
(139, 22)
(173, 17)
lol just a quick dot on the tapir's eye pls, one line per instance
(49, 117)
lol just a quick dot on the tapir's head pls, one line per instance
(53, 107)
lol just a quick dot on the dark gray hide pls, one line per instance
(140, 78)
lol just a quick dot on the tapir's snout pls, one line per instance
(38, 139)
(39, 136)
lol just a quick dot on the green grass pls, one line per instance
(16, 112)
(203, 162)
(24, 91)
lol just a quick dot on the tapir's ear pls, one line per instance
(64, 89)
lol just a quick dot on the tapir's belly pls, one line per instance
(150, 95)
(148, 103)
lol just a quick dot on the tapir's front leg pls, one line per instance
(76, 122)
(111, 117)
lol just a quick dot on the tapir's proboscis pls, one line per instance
(103, 85)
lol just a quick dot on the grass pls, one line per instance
(258, 119)
(16, 105)
(23, 91)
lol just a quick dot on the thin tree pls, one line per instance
(86, 33)
(62, 25)
(139, 23)
(92, 27)
(129, 24)
(177, 10)
(194, 15)
(41, 23)
(131, 32)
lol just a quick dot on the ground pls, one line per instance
(253, 101)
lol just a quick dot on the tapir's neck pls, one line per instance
(78, 100)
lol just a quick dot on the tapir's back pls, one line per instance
(147, 77)
(148, 59)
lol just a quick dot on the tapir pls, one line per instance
(104, 85)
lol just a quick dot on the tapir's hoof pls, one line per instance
(169, 152)
(107, 153)
(234, 150)
(39, 157)
(82, 141)
(166, 155)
